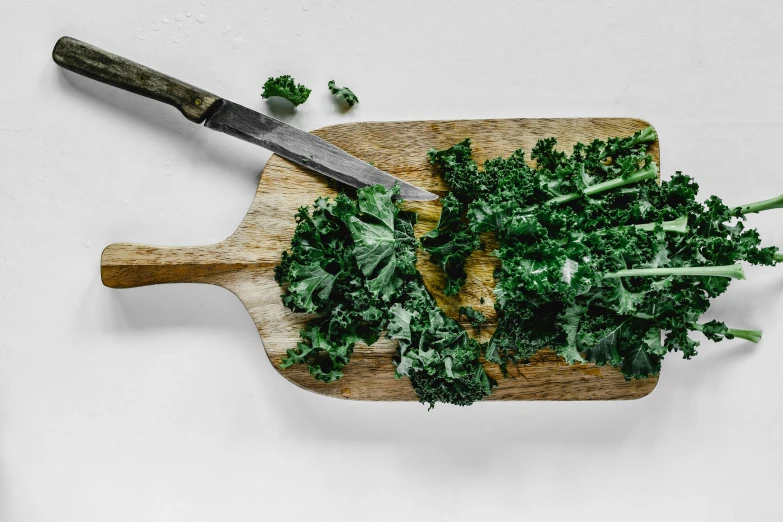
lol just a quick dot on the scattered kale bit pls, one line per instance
(450, 243)
(343, 93)
(285, 87)
(354, 264)
(441, 360)
(462, 173)
(476, 318)
(599, 262)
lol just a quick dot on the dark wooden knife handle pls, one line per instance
(95, 63)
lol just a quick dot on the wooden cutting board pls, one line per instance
(244, 262)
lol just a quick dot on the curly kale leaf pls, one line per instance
(640, 360)
(285, 87)
(464, 391)
(375, 245)
(599, 339)
(476, 318)
(597, 258)
(461, 172)
(569, 321)
(438, 356)
(309, 285)
(347, 260)
(343, 93)
(353, 264)
(325, 355)
(450, 243)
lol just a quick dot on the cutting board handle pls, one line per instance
(127, 265)
(103, 66)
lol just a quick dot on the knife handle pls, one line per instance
(95, 63)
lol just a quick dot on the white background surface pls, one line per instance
(160, 404)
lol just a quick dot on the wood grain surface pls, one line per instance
(244, 262)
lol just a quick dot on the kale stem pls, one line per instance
(767, 204)
(778, 256)
(679, 225)
(733, 271)
(753, 336)
(640, 315)
(647, 135)
(647, 172)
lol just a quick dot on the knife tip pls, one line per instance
(418, 195)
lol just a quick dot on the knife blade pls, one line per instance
(222, 115)
(305, 149)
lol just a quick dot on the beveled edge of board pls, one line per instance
(437, 121)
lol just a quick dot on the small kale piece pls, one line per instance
(441, 360)
(343, 93)
(285, 87)
(450, 243)
(476, 318)
(463, 391)
(461, 172)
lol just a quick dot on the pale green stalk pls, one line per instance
(647, 172)
(679, 225)
(759, 206)
(753, 336)
(733, 271)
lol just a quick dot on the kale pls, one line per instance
(599, 262)
(353, 264)
(441, 360)
(323, 276)
(285, 87)
(462, 173)
(476, 318)
(343, 93)
(450, 243)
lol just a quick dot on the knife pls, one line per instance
(219, 114)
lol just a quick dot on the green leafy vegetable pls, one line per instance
(461, 172)
(599, 262)
(343, 93)
(285, 87)
(476, 318)
(767, 204)
(352, 262)
(441, 360)
(450, 243)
